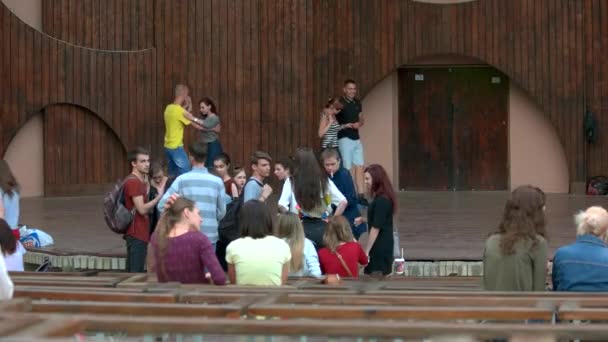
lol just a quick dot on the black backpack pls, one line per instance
(228, 228)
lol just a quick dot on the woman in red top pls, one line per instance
(340, 243)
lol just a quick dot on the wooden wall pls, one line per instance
(100, 24)
(86, 158)
(271, 64)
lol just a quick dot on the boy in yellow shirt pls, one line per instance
(177, 117)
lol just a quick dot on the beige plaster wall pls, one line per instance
(536, 155)
(25, 154)
(379, 134)
(25, 157)
(30, 11)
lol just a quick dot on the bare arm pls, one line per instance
(234, 190)
(285, 274)
(1, 210)
(232, 274)
(199, 127)
(193, 118)
(323, 126)
(144, 208)
(373, 234)
(341, 207)
(360, 123)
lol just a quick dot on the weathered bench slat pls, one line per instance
(95, 296)
(138, 326)
(590, 314)
(137, 309)
(400, 312)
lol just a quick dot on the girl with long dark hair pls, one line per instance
(211, 128)
(221, 165)
(379, 220)
(178, 250)
(310, 193)
(257, 257)
(515, 257)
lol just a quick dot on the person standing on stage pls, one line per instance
(328, 125)
(177, 117)
(211, 128)
(351, 119)
(379, 220)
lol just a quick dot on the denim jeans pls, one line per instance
(177, 161)
(214, 149)
(136, 254)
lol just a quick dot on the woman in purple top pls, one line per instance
(178, 251)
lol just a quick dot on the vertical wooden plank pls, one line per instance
(53, 72)
(238, 143)
(207, 42)
(136, 24)
(45, 17)
(122, 23)
(191, 52)
(474, 24)
(228, 63)
(37, 61)
(310, 27)
(169, 51)
(31, 74)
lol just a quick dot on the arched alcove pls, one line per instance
(535, 153)
(82, 155)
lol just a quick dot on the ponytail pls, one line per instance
(166, 223)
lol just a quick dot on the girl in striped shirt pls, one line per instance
(329, 126)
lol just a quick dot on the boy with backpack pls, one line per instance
(135, 200)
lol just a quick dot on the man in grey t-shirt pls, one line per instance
(256, 189)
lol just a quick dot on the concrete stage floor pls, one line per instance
(432, 225)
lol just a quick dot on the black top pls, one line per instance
(380, 215)
(349, 114)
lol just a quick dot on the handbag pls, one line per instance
(334, 279)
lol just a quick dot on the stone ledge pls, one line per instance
(83, 262)
(443, 268)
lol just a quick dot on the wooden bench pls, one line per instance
(41, 326)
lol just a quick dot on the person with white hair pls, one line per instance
(583, 265)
